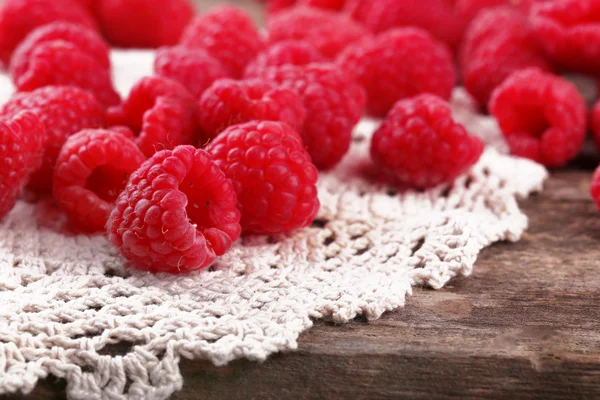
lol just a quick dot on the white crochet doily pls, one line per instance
(65, 299)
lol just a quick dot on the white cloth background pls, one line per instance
(65, 298)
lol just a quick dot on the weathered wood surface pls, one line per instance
(525, 325)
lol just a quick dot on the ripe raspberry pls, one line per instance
(193, 68)
(542, 116)
(274, 6)
(569, 32)
(62, 63)
(272, 174)
(595, 124)
(176, 214)
(496, 44)
(381, 66)
(161, 112)
(228, 34)
(21, 148)
(19, 17)
(63, 111)
(327, 31)
(435, 16)
(228, 102)
(294, 52)
(144, 23)
(92, 169)
(420, 145)
(595, 187)
(333, 102)
(84, 38)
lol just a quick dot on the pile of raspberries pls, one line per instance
(228, 137)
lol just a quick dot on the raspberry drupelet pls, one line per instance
(380, 66)
(176, 214)
(64, 110)
(272, 174)
(542, 116)
(92, 169)
(419, 145)
(334, 104)
(160, 111)
(195, 69)
(228, 102)
(328, 31)
(22, 141)
(228, 34)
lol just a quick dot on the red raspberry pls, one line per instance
(63, 111)
(274, 6)
(193, 68)
(333, 102)
(595, 187)
(569, 32)
(84, 38)
(92, 169)
(21, 148)
(144, 23)
(420, 145)
(328, 31)
(595, 123)
(228, 102)
(176, 214)
(381, 66)
(228, 34)
(19, 17)
(294, 52)
(435, 16)
(496, 44)
(542, 116)
(62, 63)
(161, 112)
(272, 174)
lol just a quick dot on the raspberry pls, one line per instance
(161, 112)
(91, 171)
(381, 66)
(144, 23)
(274, 6)
(542, 116)
(496, 44)
(193, 68)
(595, 124)
(435, 16)
(420, 145)
(228, 102)
(294, 52)
(85, 39)
(21, 148)
(336, 5)
(19, 17)
(569, 32)
(62, 63)
(228, 34)
(333, 102)
(63, 111)
(595, 187)
(272, 174)
(176, 214)
(328, 31)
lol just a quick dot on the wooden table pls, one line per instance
(525, 325)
